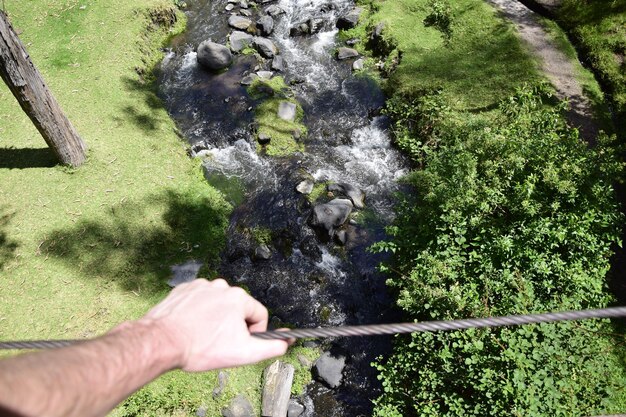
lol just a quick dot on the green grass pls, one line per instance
(269, 94)
(481, 64)
(84, 249)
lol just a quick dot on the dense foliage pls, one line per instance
(512, 216)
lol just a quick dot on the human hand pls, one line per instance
(208, 324)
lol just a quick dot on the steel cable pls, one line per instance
(383, 329)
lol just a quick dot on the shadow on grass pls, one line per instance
(135, 244)
(145, 120)
(23, 158)
(481, 68)
(7, 246)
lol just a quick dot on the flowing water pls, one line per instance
(307, 282)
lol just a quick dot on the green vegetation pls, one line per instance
(283, 133)
(319, 189)
(510, 213)
(599, 30)
(508, 217)
(82, 250)
(584, 76)
(478, 66)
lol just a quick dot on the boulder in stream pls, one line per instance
(262, 252)
(240, 40)
(350, 20)
(358, 65)
(295, 409)
(331, 215)
(265, 47)
(287, 111)
(356, 195)
(266, 25)
(238, 22)
(274, 10)
(305, 187)
(346, 53)
(278, 63)
(214, 56)
(328, 369)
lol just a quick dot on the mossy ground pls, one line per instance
(269, 94)
(84, 249)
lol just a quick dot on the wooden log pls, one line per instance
(25, 82)
(278, 378)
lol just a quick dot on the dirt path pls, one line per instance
(554, 63)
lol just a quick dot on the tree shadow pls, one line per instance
(135, 244)
(23, 158)
(7, 246)
(145, 120)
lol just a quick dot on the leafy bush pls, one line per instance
(514, 216)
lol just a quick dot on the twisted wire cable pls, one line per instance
(432, 326)
(382, 329)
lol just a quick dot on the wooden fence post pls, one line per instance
(30, 90)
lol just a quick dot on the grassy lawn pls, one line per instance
(482, 63)
(82, 250)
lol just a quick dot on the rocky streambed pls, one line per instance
(285, 123)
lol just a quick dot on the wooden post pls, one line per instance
(30, 90)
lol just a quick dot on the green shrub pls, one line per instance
(440, 17)
(512, 216)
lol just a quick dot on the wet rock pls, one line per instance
(346, 53)
(350, 20)
(222, 380)
(358, 65)
(325, 8)
(264, 138)
(214, 56)
(297, 80)
(305, 187)
(287, 111)
(315, 25)
(240, 40)
(239, 407)
(201, 412)
(248, 79)
(278, 63)
(266, 75)
(243, 4)
(262, 252)
(278, 378)
(238, 22)
(341, 237)
(295, 409)
(331, 215)
(300, 29)
(353, 41)
(229, 7)
(183, 273)
(266, 25)
(356, 195)
(265, 47)
(245, 12)
(328, 369)
(310, 248)
(274, 10)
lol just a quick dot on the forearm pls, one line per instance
(87, 379)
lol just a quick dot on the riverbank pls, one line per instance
(510, 212)
(82, 250)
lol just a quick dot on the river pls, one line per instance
(306, 282)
